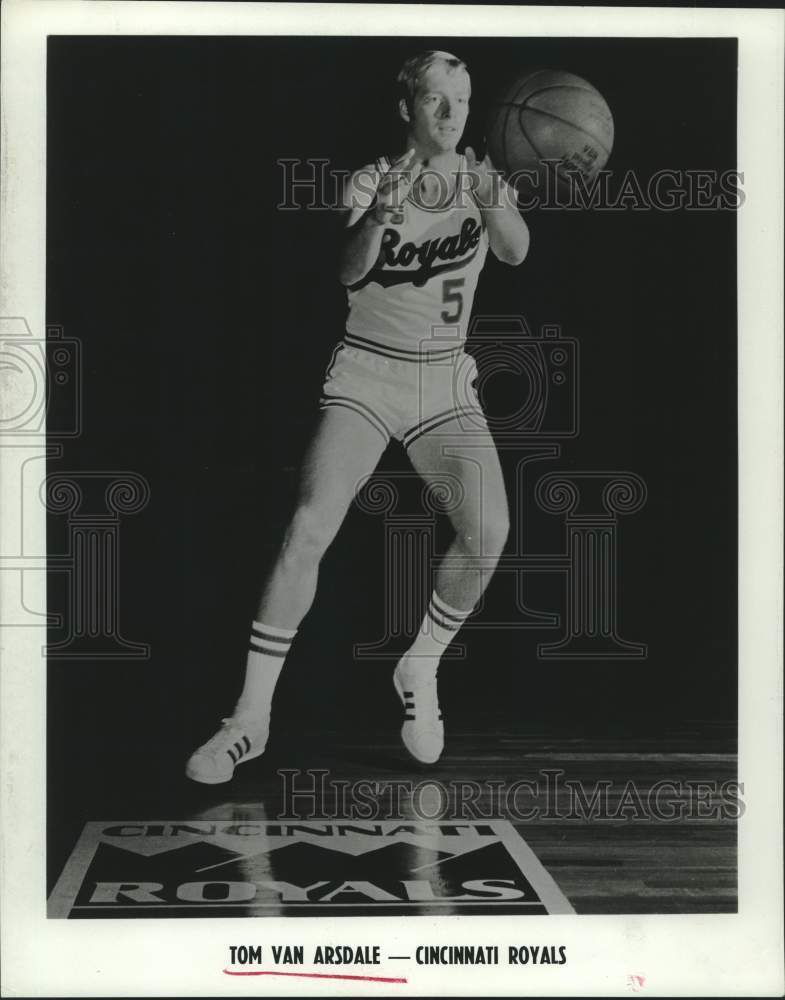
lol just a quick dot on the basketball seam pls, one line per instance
(527, 137)
(563, 86)
(564, 121)
(506, 167)
(513, 104)
(527, 80)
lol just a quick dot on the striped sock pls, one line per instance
(266, 654)
(439, 628)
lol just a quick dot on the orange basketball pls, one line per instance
(549, 115)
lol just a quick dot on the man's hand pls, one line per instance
(394, 187)
(364, 232)
(508, 234)
(485, 178)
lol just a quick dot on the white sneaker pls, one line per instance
(422, 731)
(215, 761)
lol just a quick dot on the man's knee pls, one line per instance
(496, 531)
(488, 537)
(308, 535)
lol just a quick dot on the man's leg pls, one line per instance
(345, 449)
(480, 520)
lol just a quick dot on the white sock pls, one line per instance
(438, 629)
(266, 654)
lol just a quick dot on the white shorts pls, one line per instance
(401, 397)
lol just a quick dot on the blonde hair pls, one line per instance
(413, 70)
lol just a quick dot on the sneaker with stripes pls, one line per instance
(244, 736)
(215, 761)
(422, 732)
(414, 680)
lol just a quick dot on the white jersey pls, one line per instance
(418, 295)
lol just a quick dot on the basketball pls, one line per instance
(554, 116)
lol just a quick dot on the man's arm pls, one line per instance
(508, 234)
(362, 240)
(371, 203)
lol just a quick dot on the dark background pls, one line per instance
(207, 318)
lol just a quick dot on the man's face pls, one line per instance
(441, 107)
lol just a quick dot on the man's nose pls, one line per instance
(446, 108)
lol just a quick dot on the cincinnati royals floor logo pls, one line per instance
(228, 868)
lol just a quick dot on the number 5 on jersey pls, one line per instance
(451, 293)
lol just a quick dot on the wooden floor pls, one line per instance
(629, 865)
(632, 864)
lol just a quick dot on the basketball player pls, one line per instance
(416, 237)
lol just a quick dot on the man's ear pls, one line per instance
(403, 110)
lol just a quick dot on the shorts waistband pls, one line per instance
(400, 353)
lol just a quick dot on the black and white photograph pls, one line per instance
(383, 479)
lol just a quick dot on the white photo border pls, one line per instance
(720, 955)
